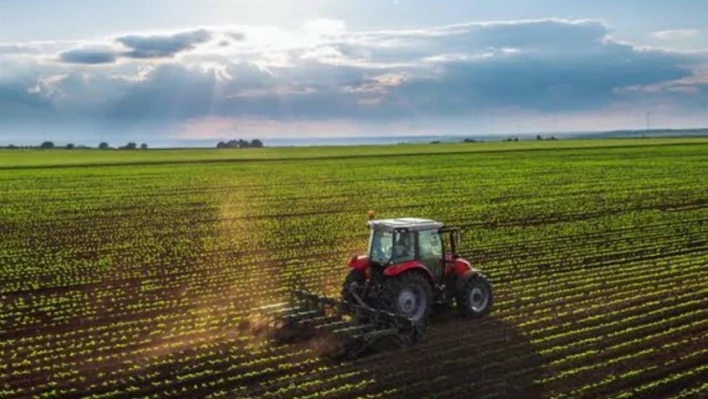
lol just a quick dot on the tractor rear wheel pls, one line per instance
(474, 299)
(409, 295)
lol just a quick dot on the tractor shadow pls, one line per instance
(459, 358)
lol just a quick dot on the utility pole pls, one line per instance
(555, 122)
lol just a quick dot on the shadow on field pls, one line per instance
(458, 358)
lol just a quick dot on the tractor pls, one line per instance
(411, 267)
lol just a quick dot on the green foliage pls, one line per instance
(132, 278)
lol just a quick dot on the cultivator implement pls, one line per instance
(341, 328)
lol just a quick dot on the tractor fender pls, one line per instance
(409, 266)
(360, 263)
(462, 267)
(462, 280)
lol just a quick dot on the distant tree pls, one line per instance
(47, 145)
(104, 146)
(240, 143)
(130, 146)
(435, 142)
(516, 139)
(553, 138)
(143, 146)
(469, 140)
(70, 146)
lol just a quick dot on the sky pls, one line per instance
(170, 72)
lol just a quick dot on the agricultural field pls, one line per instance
(129, 275)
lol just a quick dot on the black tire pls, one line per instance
(354, 276)
(475, 298)
(399, 291)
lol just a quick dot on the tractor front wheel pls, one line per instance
(409, 295)
(474, 299)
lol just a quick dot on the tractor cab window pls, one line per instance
(430, 248)
(430, 244)
(385, 247)
(381, 247)
(404, 247)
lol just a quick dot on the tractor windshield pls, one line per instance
(380, 247)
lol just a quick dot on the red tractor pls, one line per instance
(389, 293)
(412, 265)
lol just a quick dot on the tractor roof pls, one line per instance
(412, 224)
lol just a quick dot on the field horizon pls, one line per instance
(41, 158)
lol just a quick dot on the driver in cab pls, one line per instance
(403, 250)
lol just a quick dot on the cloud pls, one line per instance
(143, 46)
(31, 48)
(89, 56)
(324, 72)
(162, 46)
(6, 49)
(677, 34)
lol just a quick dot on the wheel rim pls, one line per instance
(411, 303)
(479, 298)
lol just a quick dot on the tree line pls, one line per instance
(240, 143)
(48, 145)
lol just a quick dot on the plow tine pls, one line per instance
(286, 311)
(301, 315)
(319, 321)
(354, 329)
(334, 325)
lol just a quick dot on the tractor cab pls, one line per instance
(398, 241)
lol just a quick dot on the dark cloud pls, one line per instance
(89, 56)
(162, 46)
(139, 47)
(543, 82)
(19, 101)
